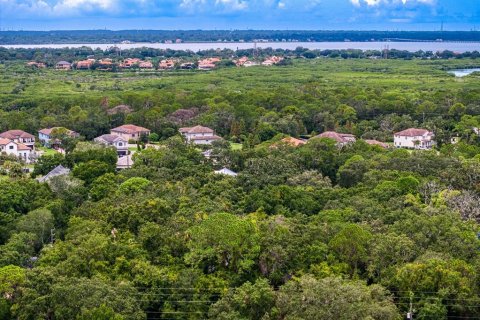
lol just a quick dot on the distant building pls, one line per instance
(45, 135)
(114, 141)
(208, 63)
(130, 132)
(129, 63)
(377, 143)
(39, 65)
(63, 65)
(57, 171)
(199, 135)
(166, 64)
(341, 139)
(271, 61)
(16, 149)
(294, 142)
(226, 172)
(20, 136)
(414, 139)
(85, 64)
(145, 65)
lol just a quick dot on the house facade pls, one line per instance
(199, 135)
(130, 132)
(414, 138)
(18, 150)
(63, 65)
(45, 135)
(115, 141)
(20, 136)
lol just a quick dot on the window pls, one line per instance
(120, 144)
(133, 135)
(11, 147)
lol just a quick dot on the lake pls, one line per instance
(196, 46)
(464, 72)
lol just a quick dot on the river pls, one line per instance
(196, 46)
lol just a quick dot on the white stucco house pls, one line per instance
(414, 139)
(199, 135)
(120, 143)
(19, 150)
(20, 136)
(130, 132)
(45, 135)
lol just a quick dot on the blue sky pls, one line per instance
(240, 14)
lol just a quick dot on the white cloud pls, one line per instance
(373, 3)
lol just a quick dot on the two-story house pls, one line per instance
(45, 135)
(115, 141)
(20, 136)
(414, 139)
(199, 135)
(130, 132)
(16, 149)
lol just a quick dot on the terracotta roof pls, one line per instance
(413, 132)
(130, 128)
(196, 129)
(60, 63)
(21, 146)
(15, 134)
(338, 137)
(293, 141)
(4, 142)
(377, 143)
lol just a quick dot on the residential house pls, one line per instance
(341, 139)
(118, 142)
(20, 136)
(187, 66)
(294, 142)
(145, 65)
(129, 63)
(130, 132)
(199, 135)
(166, 64)
(39, 65)
(208, 63)
(377, 143)
(226, 172)
(85, 64)
(125, 162)
(57, 171)
(414, 139)
(16, 149)
(105, 64)
(63, 65)
(240, 62)
(45, 135)
(271, 61)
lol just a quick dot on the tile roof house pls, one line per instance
(166, 64)
(129, 62)
(208, 63)
(85, 64)
(45, 135)
(377, 143)
(20, 136)
(340, 138)
(57, 171)
(271, 61)
(118, 142)
(130, 132)
(16, 149)
(414, 138)
(39, 65)
(199, 135)
(122, 108)
(145, 65)
(63, 65)
(294, 142)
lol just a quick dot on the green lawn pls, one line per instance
(47, 151)
(236, 146)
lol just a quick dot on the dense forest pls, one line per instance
(108, 36)
(316, 231)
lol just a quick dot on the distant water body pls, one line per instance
(464, 72)
(197, 46)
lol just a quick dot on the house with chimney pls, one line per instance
(199, 135)
(414, 138)
(130, 132)
(118, 142)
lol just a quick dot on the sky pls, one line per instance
(240, 14)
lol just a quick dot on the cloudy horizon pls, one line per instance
(240, 14)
